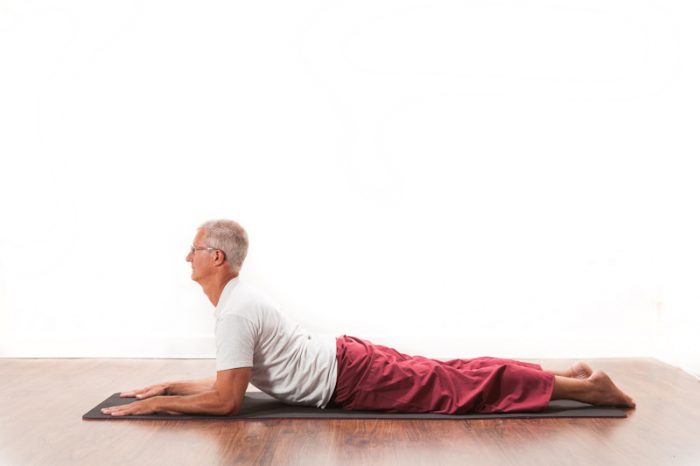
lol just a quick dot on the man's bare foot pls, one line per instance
(580, 370)
(605, 392)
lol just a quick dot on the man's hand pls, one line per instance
(223, 398)
(149, 406)
(143, 393)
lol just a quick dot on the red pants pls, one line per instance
(374, 377)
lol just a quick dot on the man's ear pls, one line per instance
(219, 257)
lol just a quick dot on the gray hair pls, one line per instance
(228, 236)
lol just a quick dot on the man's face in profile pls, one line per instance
(201, 259)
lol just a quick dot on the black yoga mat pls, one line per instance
(261, 406)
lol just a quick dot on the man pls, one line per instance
(255, 343)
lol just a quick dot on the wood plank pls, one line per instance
(43, 401)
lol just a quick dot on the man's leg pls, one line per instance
(598, 389)
(372, 377)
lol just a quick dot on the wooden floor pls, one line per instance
(42, 401)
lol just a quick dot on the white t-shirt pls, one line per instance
(288, 363)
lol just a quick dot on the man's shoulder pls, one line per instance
(247, 300)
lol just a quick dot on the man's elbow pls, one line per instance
(230, 409)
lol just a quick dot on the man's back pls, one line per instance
(288, 362)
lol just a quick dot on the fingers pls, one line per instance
(142, 393)
(137, 407)
(139, 393)
(147, 394)
(118, 410)
(112, 411)
(135, 392)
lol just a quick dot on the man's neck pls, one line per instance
(214, 287)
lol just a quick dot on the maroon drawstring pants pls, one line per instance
(375, 377)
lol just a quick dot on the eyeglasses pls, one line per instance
(193, 249)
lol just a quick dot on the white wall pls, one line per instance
(452, 178)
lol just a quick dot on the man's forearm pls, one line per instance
(208, 402)
(190, 387)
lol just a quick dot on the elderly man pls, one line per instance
(256, 343)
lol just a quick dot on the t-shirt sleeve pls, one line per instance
(235, 342)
